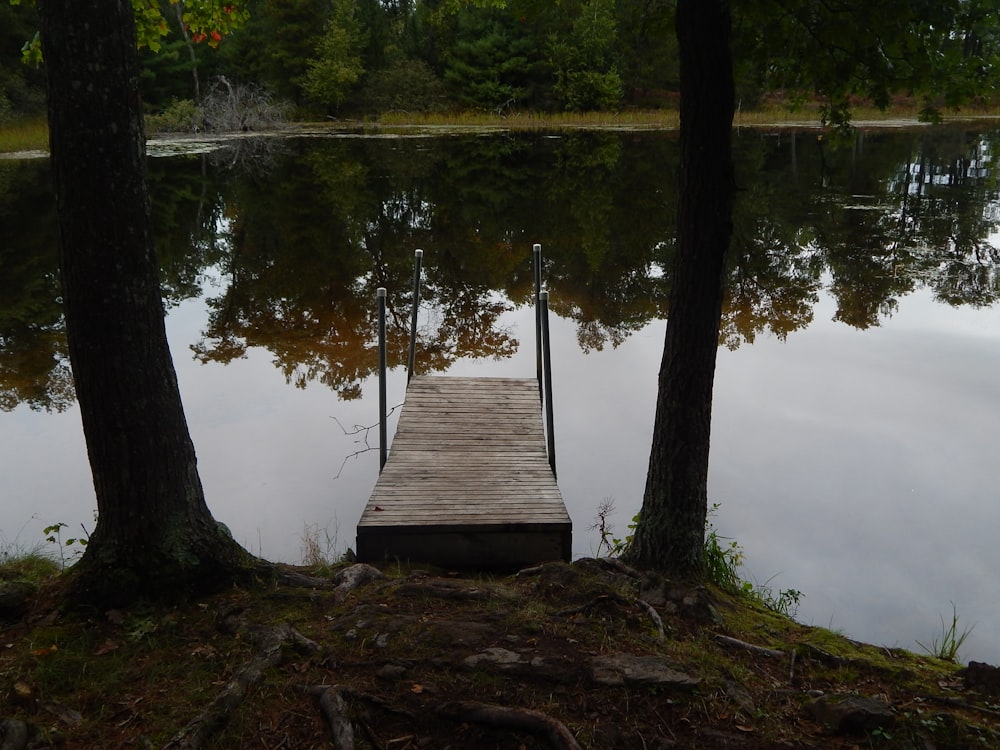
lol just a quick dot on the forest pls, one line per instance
(329, 59)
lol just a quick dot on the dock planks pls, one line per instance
(467, 481)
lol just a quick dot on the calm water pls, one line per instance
(856, 401)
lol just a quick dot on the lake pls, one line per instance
(856, 406)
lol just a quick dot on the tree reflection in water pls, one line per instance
(289, 249)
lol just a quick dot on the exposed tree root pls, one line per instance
(654, 616)
(13, 735)
(522, 719)
(350, 578)
(726, 640)
(604, 599)
(215, 716)
(334, 710)
(609, 565)
(343, 581)
(595, 602)
(291, 577)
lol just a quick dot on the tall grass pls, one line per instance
(24, 135)
(947, 643)
(633, 119)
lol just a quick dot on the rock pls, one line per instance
(852, 714)
(500, 656)
(15, 596)
(698, 604)
(631, 669)
(352, 577)
(741, 697)
(982, 677)
(693, 603)
(535, 667)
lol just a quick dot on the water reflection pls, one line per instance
(275, 266)
(299, 242)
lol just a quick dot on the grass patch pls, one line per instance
(26, 135)
(946, 644)
(33, 565)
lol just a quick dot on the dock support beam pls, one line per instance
(543, 305)
(537, 249)
(383, 448)
(417, 262)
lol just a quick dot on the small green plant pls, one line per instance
(783, 601)
(879, 734)
(72, 545)
(609, 545)
(723, 558)
(947, 643)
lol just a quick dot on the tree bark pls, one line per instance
(671, 530)
(154, 531)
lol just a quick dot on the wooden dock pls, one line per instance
(467, 481)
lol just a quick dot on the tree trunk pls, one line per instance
(671, 530)
(154, 531)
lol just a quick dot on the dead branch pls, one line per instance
(725, 640)
(359, 429)
(519, 719)
(200, 729)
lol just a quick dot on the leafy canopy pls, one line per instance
(945, 52)
(205, 20)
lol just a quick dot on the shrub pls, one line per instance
(407, 85)
(182, 116)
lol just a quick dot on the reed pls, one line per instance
(24, 135)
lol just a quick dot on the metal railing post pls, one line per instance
(418, 261)
(383, 448)
(543, 300)
(537, 249)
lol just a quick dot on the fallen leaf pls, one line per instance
(417, 689)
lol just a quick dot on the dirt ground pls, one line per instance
(588, 655)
